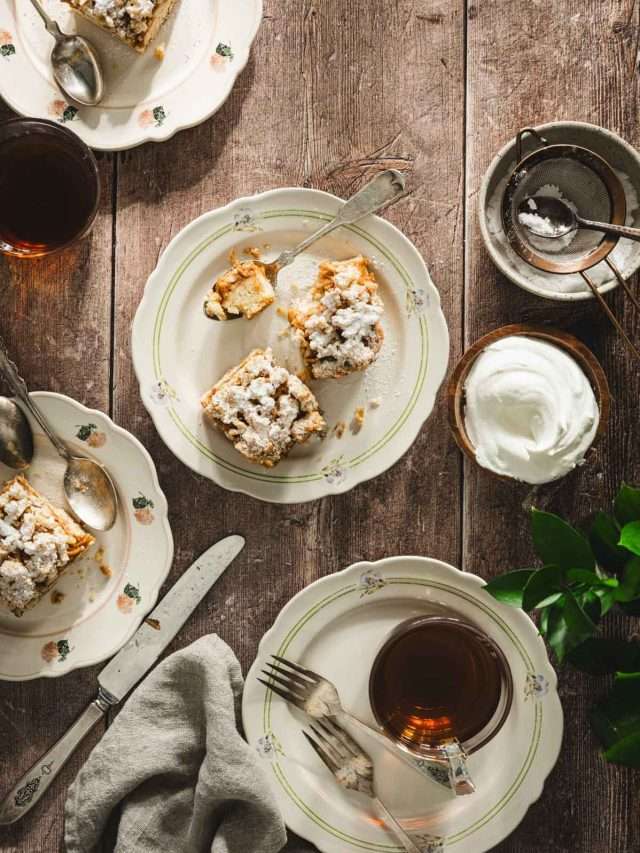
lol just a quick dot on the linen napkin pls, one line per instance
(176, 767)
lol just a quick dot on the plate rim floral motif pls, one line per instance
(153, 120)
(302, 616)
(423, 311)
(55, 654)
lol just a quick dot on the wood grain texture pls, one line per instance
(333, 92)
(529, 63)
(55, 311)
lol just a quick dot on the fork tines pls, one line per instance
(293, 684)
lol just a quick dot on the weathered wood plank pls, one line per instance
(55, 315)
(332, 93)
(529, 63)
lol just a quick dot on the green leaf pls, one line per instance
(599, 656)
(542, 584)
(626, 751)
(544, 621)
(557, 543)
(603, 537)
(616, 719)
(607, 599)
(579, 624)
(591, 605)
(627, 504)
(550, 599)
(583, 576)
(630, 537)
(629, 589)
(556, 631)
(509, 587)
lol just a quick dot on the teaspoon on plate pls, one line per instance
(385, 188)
(75, 64)
(16, 437)
(553, 218)
(87, 486)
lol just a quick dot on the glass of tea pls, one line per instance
(49, 186)
(439, 679)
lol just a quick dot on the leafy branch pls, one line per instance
(584, 576)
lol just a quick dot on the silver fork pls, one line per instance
(353, 769)
(319, 698)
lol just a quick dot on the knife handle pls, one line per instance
(36, 781)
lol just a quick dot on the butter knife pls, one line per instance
(124, 671)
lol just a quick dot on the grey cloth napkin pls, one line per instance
(176, 767)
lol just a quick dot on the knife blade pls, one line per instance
(124, 671)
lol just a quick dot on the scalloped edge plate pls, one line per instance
(419, 346)
(181, 96)
(99, 613)
(307, 627)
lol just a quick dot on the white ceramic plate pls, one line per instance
(206, 44)
(110, 589)
(336, 627)
(179, 353)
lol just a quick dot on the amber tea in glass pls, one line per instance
(439, 678)
(49, 187)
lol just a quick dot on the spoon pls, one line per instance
(16, 438)
(552, 218)
(75, 64)
(87, 485)
(382, 190)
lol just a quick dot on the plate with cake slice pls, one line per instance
(70, 596)
(167, 64)
(296, 387)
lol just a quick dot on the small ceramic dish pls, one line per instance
(575, 348)
(185, 75)
(624, 160)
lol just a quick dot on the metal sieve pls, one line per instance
(588, 183)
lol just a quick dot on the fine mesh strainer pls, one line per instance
(591, 187)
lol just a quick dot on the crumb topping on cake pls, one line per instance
(263, 408)
(34, 544)
(127, 17)
(135, 22)
(341, 331)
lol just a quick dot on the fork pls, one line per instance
(382, 190)
(319, 698)
(353, 769)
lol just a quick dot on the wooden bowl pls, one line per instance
(575, 348)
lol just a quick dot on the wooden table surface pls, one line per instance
(335, 91)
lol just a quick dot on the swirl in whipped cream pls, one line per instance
(530, 412)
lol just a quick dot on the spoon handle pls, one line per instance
(382, 190)
(19, 388)
(610, 228)
(50, 25)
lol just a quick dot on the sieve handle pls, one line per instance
(609, 228)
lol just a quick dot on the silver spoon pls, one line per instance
(382, 190)
(87, 485)
(552, 218)
(16, 437)
(75, 64)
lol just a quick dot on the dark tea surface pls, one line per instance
(49, 192)
(435, 681)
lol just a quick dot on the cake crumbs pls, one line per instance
(57, 597)
(282, 312)
(358, 420)
(253, 252)
(339, 429)
(375, 403)
(160, 52)
(106, 570)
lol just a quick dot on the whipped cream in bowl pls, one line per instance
(528, 403)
